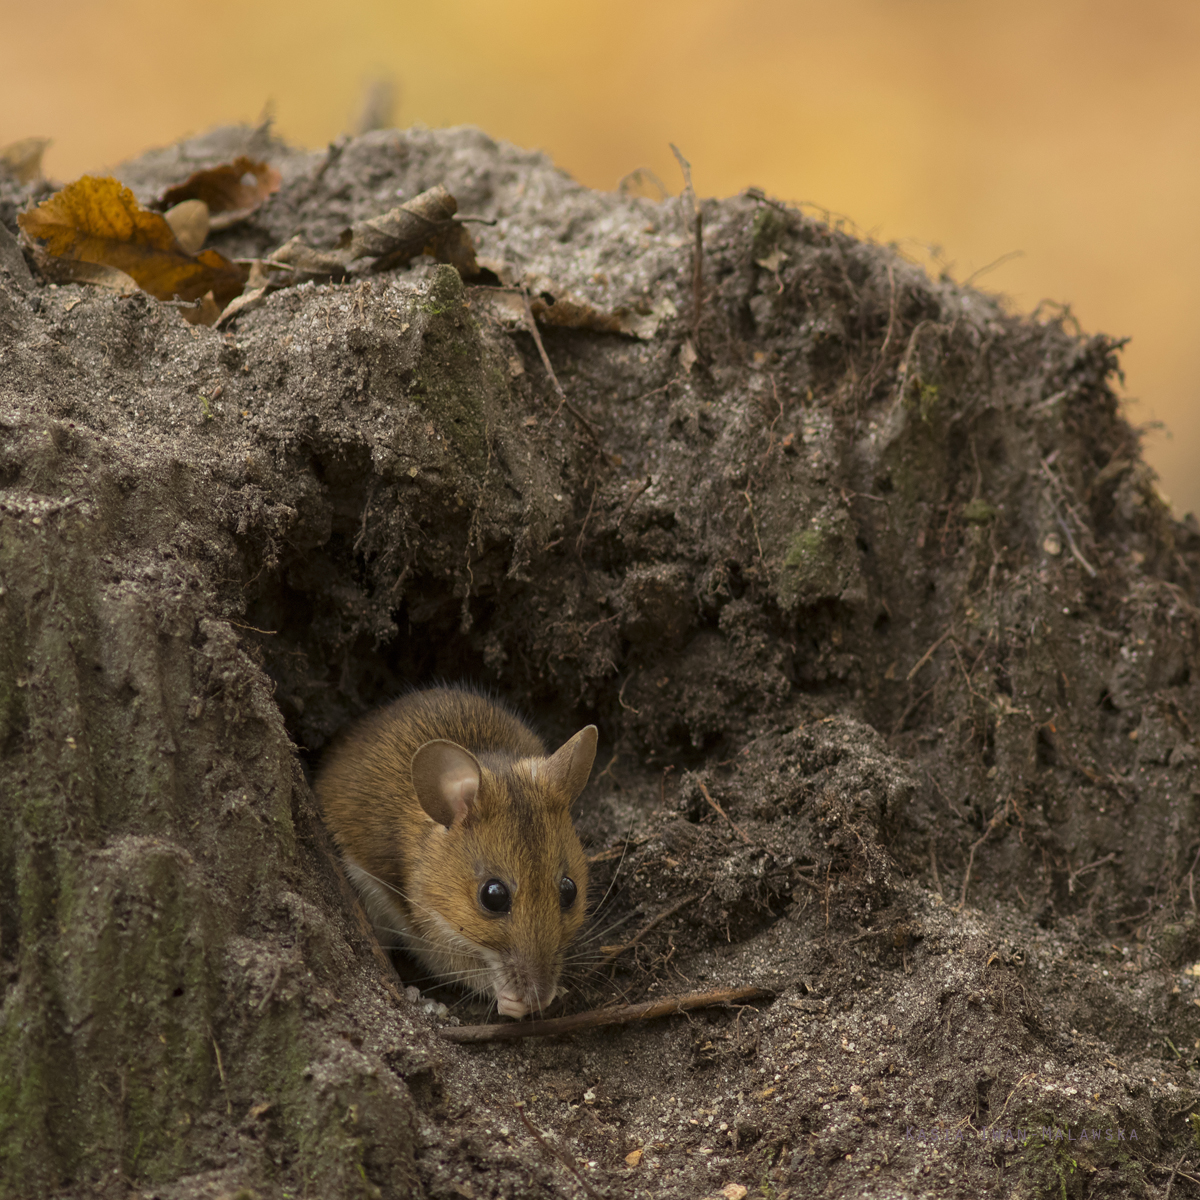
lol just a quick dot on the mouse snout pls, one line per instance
(522, 987)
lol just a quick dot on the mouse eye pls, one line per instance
(567, 892)
(495, 897)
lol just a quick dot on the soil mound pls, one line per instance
(891, 642)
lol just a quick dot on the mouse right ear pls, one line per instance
(446, 780)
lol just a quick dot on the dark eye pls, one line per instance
(567, 892)
(495, 897)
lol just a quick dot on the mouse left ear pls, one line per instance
(446, 780)
(568, 768)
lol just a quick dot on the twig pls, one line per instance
(997, 262)
(252, 628)
(937, 883)
(1060, 489)
(555, 1152)
(718, 809)
(221, 1072)
(1074, 875)
(996, 819)
(1176, 1171)
(562, 396)
(928, 655)
(912, 708)
(887, 337)
(599, 1017)
(632, 500)
(614, 952)
(586, 519)
(698, 252)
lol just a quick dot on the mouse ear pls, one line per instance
(568, 768)
(446, 780)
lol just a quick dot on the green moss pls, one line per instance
(928, 395)
(1057, 1159)
(818, 562)
(451, 377)
(767, 230)
(979, 511)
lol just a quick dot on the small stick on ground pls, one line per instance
(928, 655)
(632, 500)
(599, 1017)
(612, 952)
(732, 825)
(698, 253)
(996, 819)
(555, 1152)
(1074, 875)
(562, 396)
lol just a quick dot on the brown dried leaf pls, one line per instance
(306, 263)
(98, 221)
(23, 160)
(232, 191)
(189, 222)
(423, 225)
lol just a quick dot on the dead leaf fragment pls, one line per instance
(98, 221)
(12, 261)
(232, 191)
(62, 270)
(306, 263)
(634, 1157)
(189, 222)
(23, 160)
(733, 1191)
(423, 225)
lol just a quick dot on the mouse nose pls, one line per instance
(510, 1004)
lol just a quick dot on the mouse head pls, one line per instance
(507, 873)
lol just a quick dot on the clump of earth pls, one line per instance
(889, 637)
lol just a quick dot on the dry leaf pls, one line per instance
(733, 1191)
(23, 160)
(248, 301)
(553, 306)
(189, 223)
(12, 261)
(97, 221)
(634, 1157)
(232, 191)
(306, 263)
(423, 225)
(62, 270)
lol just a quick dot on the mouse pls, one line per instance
(454, 826)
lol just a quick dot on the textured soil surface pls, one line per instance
(890, 640)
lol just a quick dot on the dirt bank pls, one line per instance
(870, 561)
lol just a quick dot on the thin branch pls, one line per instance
(1074, 875)
(555, 1152)
(717, 808)
(562, 396)
(928, 655)
(996, 819)
(613, 952)
(632, 500)
(698, 252)
(599, 1017)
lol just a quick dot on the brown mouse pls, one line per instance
(455, 828)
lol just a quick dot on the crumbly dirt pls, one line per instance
(856, 555)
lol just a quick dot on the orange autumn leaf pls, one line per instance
(232, 191)
(99, 221)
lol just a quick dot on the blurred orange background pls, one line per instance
(1065, 130)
